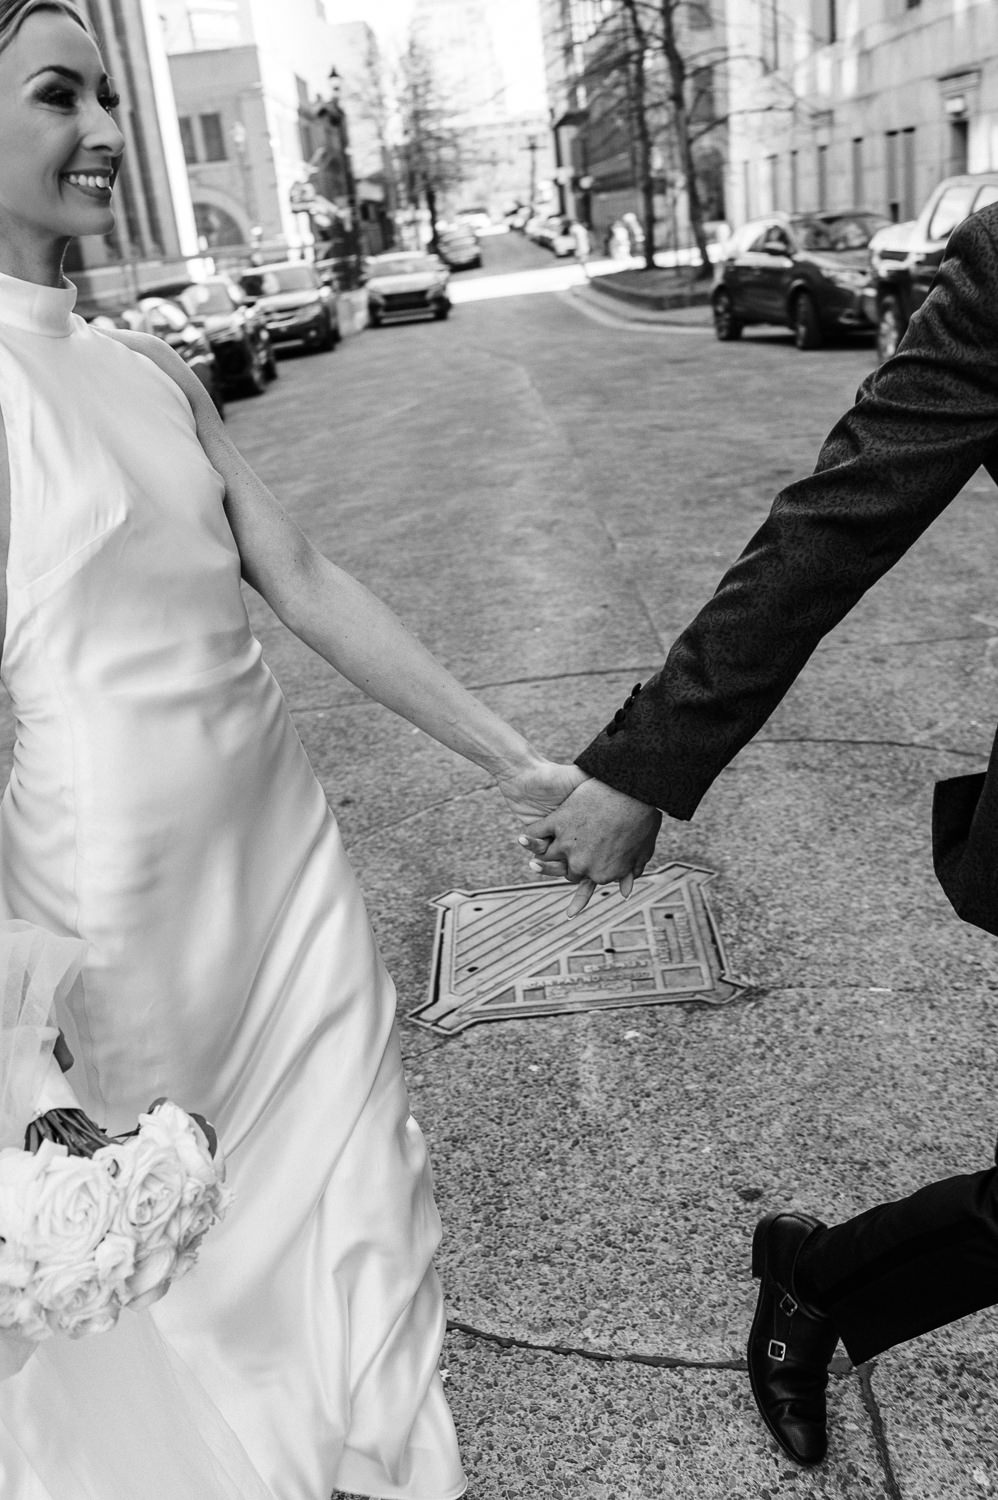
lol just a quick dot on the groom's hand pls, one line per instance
(596, 835)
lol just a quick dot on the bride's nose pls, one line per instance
(100, 133)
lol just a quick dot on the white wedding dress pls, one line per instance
(162, 809)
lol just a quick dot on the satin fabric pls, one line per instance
(162, 809)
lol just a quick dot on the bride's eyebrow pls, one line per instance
(69, 73)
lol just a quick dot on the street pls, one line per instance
(546, 497)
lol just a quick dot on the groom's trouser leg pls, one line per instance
(903, 1268)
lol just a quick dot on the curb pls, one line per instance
(620, 313)
(650, 301)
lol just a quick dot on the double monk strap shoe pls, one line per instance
(790, 1345)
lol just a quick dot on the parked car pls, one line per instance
(406, 283)
(459, 249)
(806, 272)
(169, 321)
(904, 257)
(297, 305)
(236, 331)
(556, 234)
(477, 219)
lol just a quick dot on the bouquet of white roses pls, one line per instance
(92, 1225)
(89, 1223)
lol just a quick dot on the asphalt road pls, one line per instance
(546, 499)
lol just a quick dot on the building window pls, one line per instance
(187, 139)
(909, 207)
(822, 177)
(772, 172)
(794, 205)
(891, 161)
(213, 138)
(858, 187)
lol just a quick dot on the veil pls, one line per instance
(115, 1414)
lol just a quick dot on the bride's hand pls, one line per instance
(534, 790)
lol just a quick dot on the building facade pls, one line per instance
(155, 230)
(858, 103)
(591, 62)
(263, 124)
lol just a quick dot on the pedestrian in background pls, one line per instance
(922, 425)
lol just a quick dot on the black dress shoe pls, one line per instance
(790, 1344)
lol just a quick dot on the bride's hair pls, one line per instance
(13, 13)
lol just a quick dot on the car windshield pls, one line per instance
(272, 279)
(847, 232)
(417, 265)
(206, 298)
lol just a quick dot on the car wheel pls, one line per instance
(890, 329)
(270, 364)
(440, 313)
(373, 320)
(806, 324)
(327, 339)
(726, 325)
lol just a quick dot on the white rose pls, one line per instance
(75, 1206)
(115, 1260)
(170, 1126)
(150, 1187)
(151, 1278)
(75, 1299)
(19, 1312)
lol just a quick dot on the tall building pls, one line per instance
(251, 79)
(863, 103)
(155, 229)
(589, 52)
(456, 34)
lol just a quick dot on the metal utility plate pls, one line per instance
(511, 951)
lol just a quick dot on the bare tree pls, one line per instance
(637, 64)
(430, 153)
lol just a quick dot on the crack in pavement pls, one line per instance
(596, 1356)
(872, 1408)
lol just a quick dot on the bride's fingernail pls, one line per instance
(535, 865)
(522, 839)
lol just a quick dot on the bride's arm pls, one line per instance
(351, 628)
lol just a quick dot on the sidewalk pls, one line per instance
(636, 295)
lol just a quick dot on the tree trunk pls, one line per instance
(431, 209)
(681, 118)
(639, 102)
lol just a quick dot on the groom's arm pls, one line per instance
(921, 426)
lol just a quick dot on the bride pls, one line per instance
(161, 812)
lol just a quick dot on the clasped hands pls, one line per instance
(579, 829)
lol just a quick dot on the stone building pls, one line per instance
(267, 162)
(858, 103)
(155, 230)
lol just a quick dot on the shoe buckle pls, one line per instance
(787, 1305)
(777, 1350)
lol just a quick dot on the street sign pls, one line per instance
(511, 952)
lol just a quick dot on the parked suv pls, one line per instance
(297, 306)
(805, 271)
(904, 257)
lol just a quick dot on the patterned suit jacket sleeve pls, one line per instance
(921, 425)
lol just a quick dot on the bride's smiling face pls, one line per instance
(59, 146)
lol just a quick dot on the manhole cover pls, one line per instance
(512, 951)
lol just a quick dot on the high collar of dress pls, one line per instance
(46, 310)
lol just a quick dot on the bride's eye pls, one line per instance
(109, 101)
(56, 95)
